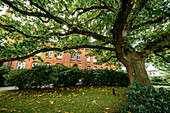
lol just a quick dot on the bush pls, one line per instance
(66, 75)
(144, 99)
(17, 78)
(3, 70)
(40, 75)
(105, 77)
(157, 79)
(59, 74)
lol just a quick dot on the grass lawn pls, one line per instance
(93, 99)
(158, 86)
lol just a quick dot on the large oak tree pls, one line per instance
(130, 31)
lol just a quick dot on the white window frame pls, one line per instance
(48, 64)
(78, 56)
(73, 56)
(95, 68)
(59, 55)
(21, 65)
(50, 53)
(35, 64)
(94, 60)
(88, 68)
(88, 58)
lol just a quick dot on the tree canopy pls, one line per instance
(123, 30)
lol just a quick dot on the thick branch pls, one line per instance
(56, 49)
(88, 33)
(106, 60)
(141, 6)
(157, 44)
(13, 29)
(162, 57)
(108, 7)
(95, 16)
(24, 12)
(158, 20)
(57, 19)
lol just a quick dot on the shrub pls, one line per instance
(105, 77)
(17, 78)
(157, 79)
(66, 75)
(144, 99)
(40, 75)
(59, 74)
(3, 70)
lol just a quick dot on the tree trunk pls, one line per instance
(136, 67)
(137, 71)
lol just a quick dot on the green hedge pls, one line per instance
(144, 99)
(3, 70)
(59, 74)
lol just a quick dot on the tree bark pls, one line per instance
(136, 67)
(137, 71)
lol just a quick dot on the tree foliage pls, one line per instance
(111, 28)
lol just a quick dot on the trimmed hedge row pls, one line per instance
(59, 74)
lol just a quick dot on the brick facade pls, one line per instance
(66, 60)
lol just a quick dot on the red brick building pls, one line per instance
(78, 59)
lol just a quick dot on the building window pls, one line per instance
(88, 59)
(48, 64)
(72, 56)
(50, 53)
(101, 68)
(88, 68)
(35, 64)
(21, 65)
(59, 55)
(78, 56)
(94, 60)
(95, 68)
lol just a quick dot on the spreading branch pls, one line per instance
(157, 44)
(158, 20)
(13, 29)
(141, 6)
(106, 6)
(57, 19)
(56, 49)
(108, 59)
(162, 57)
(24, 12)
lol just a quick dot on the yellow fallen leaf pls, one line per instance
(107, 108)
(94, 101)
(3, 109)
(51, 102)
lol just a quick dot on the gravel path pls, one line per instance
(8, 88)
